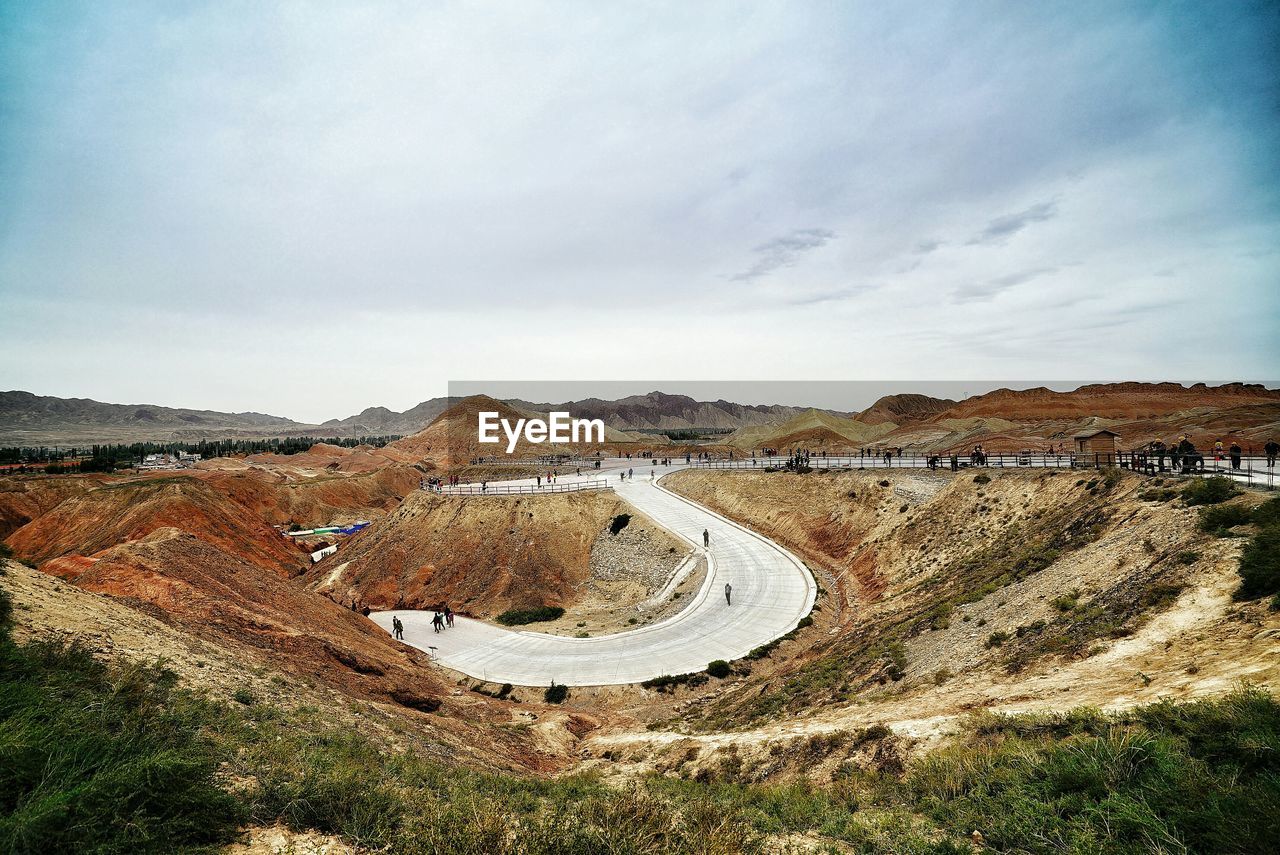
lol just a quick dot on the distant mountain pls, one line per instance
(1026, 418)
(27, 419)
(812, 429)
(1109, 401)
(376, 421)
(660, 411)
(900, 409)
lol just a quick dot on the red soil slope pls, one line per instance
(116, 513)
(1109, 401)
(482, 556)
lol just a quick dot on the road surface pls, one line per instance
(772, 591)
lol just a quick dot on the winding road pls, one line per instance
(772, 591)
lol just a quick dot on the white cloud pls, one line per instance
(367, 191)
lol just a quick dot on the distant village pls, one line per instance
(180, 460)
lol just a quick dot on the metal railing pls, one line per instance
(552, 460)
(504, 489)
(1248, 469)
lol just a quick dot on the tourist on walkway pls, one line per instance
(728, 594)
(1235, 455)
(1272, 448)
(397, 627)
(706, 539)
(448, 617)
(437, 622)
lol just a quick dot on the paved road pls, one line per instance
(772, 591)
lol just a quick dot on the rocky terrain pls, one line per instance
(1036, 419)
(942, 596)
(486, 556)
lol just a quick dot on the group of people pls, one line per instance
(441, 620)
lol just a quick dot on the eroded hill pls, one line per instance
(943, 593)
(484, 556)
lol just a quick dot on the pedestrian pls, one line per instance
(728, 594)
(706, 539)
(437, 622)
(1235, 455)
(398, 627)
(448, 616)
(1272, 448)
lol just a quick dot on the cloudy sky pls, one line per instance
(309, 208)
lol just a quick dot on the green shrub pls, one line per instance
(1066, 602)
(519, 617)
(668, 682)
(1267, 513)
(556, 693)
(1162, 495)
(982, 478)
(243, 696)
(1217, 519)
(997, 638)
(1260, 565)
(1188, 557)
(1209, 491)
(719, 669)
(895, 660)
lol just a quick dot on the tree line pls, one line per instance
(110, 457)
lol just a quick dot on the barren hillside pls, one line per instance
(484, 556)
(933, 578)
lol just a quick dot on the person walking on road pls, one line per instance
(1272, 448)
(448, 617)
(1235, 455)
(728, 594)
(437, 622)
(706, 539)
(397, 628)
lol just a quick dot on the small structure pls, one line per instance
(322, 553)
(1100, 444)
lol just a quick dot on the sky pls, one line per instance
(311, 208)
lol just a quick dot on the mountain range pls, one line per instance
(33, 420)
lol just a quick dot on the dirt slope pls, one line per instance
(1103, 598)
(811, 429)
(130, 510)
(912, 555)
(1129, 401)
(483, 556)
(901, 409)
(25, 497)
(468, 729)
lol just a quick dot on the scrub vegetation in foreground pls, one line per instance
(118, 758)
